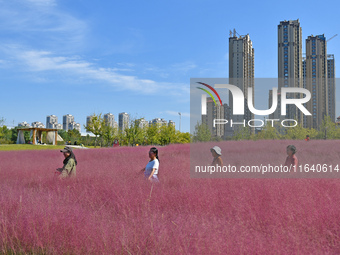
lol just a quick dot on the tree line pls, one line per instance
(134, 133)
(105, 135)
(328, 130)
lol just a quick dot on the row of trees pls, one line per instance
(5, 133)
(328, 130)
(161, 135)
(134, 133)
(105, 135)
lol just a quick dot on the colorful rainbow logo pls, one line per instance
(209, 93)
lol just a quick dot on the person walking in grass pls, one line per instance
(216, 153)
(70, 162)
(151, 169)
(291, 159)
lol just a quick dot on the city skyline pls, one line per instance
(315, 72)
(68, 121)
(64, 48)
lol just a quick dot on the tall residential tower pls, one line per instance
(331, 86)
(241, 71)
(316, 80)
(290, 64)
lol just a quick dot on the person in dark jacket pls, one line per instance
(70, 162)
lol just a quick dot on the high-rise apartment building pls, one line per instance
(38, 124)
(24, 124)
(172, 123)
(51, 121)
(316, 80)
(241, 71)
(88, 120)
(67, 119)
(214, 112)
(74, 125)
(142, 123)
(124, 120)
(109, 119)
(331, 85)
(290, 64)
(304, 86)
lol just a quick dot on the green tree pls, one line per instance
(14, 135)
(152, 134)
(296, 133)
(108, 133)
(202, 133)
(242, 133)
(63, 134)
(183, 137)
(269, 132)
(95, 126)
(5, 133)
(327, 129)
(167, 134)
(135, 134)
(74, 135)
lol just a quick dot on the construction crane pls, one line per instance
(233, 33)
(332, 37)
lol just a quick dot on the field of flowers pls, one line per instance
(110, 209)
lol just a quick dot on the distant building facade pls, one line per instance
(143, 123)
(74, 125)
(316, 80)
(88, 121)
(67, 119)
(24, 124)
(331, 85)
(38, 124)
(109, 119)
(214, 112)
(290, 64)
(172, 123)
(241, 73)
(124, 121)
(52, 122)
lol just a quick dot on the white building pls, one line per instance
(241, 73)
(52, 122)
(67, 119)
(74, 125)
(172, 123)
(124, 121)
(24, 124)
(38, 124)
(143, 123)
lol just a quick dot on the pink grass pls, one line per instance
(108, 209)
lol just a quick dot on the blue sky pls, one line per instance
(81, 56)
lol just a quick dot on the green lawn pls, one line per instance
(19, 147)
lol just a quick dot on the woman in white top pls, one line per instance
(151, 169)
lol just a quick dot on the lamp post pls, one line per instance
(180, 118)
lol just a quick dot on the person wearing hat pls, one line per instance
(216, 153)
(70, 162)
(291, 160)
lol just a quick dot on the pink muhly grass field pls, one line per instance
(111, 209)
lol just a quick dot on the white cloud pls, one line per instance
(42, 2)
(75, 67)
(184, 66)
(126, 64)
(29, 19)
(174, 113)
